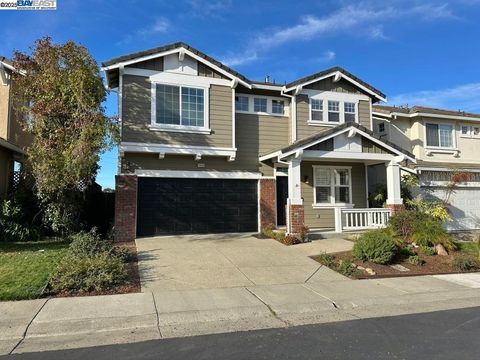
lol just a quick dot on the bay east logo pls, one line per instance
(36, 4)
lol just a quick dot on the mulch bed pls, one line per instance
(434, 265)
(131, 286)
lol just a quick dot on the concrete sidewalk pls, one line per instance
(62, 323)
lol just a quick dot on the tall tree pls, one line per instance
(64, 92)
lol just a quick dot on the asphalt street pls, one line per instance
(453, 334)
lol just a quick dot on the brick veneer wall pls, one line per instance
(268, 199)
(125, 208)
(396, 208)
(297, 217)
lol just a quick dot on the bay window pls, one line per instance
(332, 185)
(439, 135)
(179, 106)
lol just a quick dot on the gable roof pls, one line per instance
(422, 111)
(110, 65)
(145, 53)
(333, 72)
(309, 140)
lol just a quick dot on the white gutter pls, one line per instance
(439, 116)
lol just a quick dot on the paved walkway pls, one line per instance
(249, 298)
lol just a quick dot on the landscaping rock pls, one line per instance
(360, 268)
(399, 267)
(441, 250)
(370, 271)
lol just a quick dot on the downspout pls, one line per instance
(293, 113)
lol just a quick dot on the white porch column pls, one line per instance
(394, 196)
(294, 183)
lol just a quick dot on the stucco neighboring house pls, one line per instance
(443, 142)
(204, 149)
(13, 140)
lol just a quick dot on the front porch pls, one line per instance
(328, 180)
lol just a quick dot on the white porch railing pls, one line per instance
(361, 219)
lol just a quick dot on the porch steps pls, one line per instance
(331, 234)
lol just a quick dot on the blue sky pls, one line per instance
(417, 52)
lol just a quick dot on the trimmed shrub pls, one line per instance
(83, 274)
(465, 263)
(405, 223)
(415, 260)
(431, 233)
(89, 244)
(427, 250)
(376, 246)
(346, 267)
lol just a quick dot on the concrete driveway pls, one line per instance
(226, 260)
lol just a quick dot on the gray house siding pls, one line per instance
(136, 117)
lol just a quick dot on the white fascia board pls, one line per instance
(174, 51)
(335, 73)
(430, 115)
(199, 174)
(346, 155)
(267, 87)
(358, 131)
(175, 149)
(5, 65)
(453, 168)
(269, 156)
(376, 113)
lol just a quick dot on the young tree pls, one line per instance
(62, 86)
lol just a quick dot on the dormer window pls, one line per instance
(331, 108)
(260, 105)
(349, 109)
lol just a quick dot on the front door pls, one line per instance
(282, 195)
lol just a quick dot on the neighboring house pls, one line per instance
(443, 142)
(204, 149)
(13, 140)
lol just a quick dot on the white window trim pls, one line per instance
(269, 112)
(332, 203)
(452, 149)
(470, 134)
(326, 96)
(205, 129)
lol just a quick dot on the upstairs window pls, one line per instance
(334, 111)
(179, 105)
(260, 105)
(278, 107)
(381, 127)
(317, 109)
(349, 109)
(439, 135)
(241, 103)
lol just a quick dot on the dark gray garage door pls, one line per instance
(195, 206)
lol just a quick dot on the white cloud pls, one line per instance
(327, 56)
(240, 59)
(209, 7)
(354, 19)
(364, 18)
(160, 25)
(463, 97)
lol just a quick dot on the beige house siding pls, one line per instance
(324, 218)
(4, 95)
(364, 115)
(136, 117)
(468, 147)
(255, 134)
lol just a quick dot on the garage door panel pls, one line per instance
(182, 206)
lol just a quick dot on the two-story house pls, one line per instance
(204, 149)
(443, 142)
(13, 140)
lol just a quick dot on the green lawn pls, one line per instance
(26, 267)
